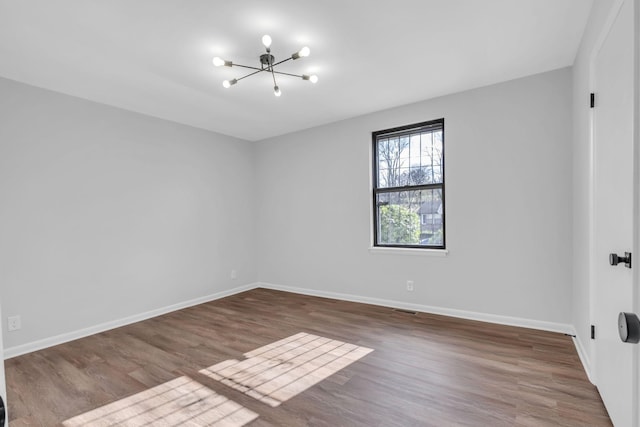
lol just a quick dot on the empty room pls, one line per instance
(333, 213)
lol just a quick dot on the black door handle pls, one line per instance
(615, 259)
(629, 327)
(2, 412)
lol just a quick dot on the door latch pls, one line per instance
(615, 259)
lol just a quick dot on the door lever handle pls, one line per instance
(2, 412)
(615, 259)
(629, 327)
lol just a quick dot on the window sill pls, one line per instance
(408, 251)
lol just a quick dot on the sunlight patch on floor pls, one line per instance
(179, 402)
(277, 372)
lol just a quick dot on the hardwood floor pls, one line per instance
(424, 370)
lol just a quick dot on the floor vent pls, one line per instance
(399, 310)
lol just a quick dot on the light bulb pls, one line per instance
(312, 78)
(276, 91)
(305, 51)
(228, 83)
(218, 62)
(266, 40)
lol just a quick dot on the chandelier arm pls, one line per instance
(250, 74)
(288, 74)
(249, 67)
(280, 62)
(272, 72)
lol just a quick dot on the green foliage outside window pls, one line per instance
(399, 225)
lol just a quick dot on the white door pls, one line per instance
(613, 220)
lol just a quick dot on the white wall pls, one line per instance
(581, 178)
(106, 214)
(508, 195)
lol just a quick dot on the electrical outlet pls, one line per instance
(14, 323)
(410, 285)
(234, 274)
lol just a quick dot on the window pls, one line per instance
(408, 186)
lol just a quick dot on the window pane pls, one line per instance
(414, 159)
(392, 154)
(410, 218)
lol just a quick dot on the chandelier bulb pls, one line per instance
(266, 41)
(276, 91)
(305, 51)
(218, 62)
(228, 83)
(312, 78)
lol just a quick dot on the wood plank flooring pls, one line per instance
(279, 371)
(425, 370)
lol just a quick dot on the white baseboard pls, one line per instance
(471, 315)
(81, 333)
(584, 357)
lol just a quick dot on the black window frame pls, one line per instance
(407, 129)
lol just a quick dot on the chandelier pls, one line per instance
(267, 64)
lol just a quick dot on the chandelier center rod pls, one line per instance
(267, 59)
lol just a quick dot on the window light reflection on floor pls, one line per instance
(179, 402)
(277, 372)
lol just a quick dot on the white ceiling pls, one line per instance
(154, 56)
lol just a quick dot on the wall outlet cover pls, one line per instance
(14, 323)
